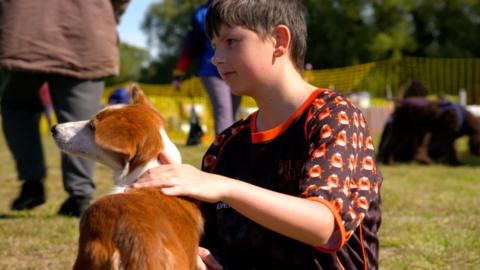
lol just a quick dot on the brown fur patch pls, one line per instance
(132, 130)
(148, 229)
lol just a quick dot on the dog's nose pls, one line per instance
(54, 130)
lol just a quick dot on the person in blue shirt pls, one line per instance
(197, 47)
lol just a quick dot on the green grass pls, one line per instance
(431, 216)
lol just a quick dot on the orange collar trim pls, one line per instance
(270, 134)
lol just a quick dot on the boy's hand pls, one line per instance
(205, 260)
(185, 180)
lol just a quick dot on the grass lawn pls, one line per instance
(431, 216)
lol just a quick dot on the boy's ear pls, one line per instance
(282, 37)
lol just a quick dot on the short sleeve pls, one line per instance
(340, 171)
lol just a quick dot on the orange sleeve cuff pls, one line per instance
(339, 236)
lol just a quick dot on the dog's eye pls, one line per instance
(91, 125)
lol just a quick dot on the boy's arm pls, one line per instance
(301, 219)
(340, 172)
(305, 220)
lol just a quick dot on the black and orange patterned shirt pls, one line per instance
(323, 152)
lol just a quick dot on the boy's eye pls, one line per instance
(230, 41)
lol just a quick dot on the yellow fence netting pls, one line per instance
(439, 75)
(381, 79)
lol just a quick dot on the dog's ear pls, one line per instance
(116, 135)
(128, 138)
(138, 97)
(137, 94)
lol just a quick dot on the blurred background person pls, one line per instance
(119, 96)
(197, 47)
(71, 45)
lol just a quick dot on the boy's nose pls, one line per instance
(217, 59)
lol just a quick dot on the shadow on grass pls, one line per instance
(467, 159)
(30, 215)
(12, 216)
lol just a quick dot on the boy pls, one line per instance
(295, 185)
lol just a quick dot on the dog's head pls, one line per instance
(126, 138)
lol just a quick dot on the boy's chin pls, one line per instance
(237, 90)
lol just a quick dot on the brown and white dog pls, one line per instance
(140, 228)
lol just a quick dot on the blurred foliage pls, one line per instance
(166, 24)
(341, 32)
(132, 61)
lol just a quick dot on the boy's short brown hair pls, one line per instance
(261, 16)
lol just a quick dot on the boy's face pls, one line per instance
(243, 58)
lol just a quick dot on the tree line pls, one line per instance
(340, 33)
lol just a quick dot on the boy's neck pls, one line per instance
(279, 101)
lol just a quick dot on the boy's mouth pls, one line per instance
(226, 75)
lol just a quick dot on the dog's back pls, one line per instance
(140, 229)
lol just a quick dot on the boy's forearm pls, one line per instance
(307, 221)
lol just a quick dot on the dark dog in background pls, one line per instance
(425, 130)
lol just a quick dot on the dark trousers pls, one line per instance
(73, 100)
